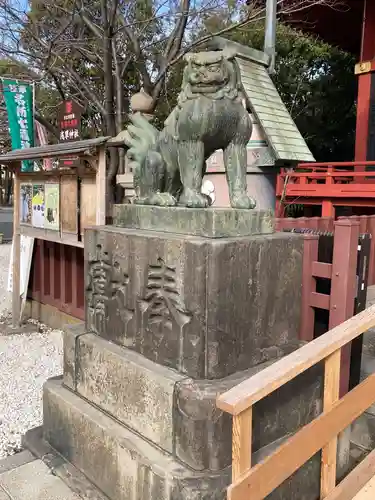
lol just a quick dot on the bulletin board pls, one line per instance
(57, 208)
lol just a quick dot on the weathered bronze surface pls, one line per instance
(209, 223)
(168, 166)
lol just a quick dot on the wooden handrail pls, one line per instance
(355, 480)
(249, 392)
(262, 479)
(320, 434)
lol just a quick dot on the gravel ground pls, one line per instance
(26, 361)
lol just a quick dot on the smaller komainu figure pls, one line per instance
(169, 166)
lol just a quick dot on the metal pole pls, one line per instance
(270, 33)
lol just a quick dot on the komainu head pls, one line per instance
(214, 74)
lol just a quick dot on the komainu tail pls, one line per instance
(140, 137)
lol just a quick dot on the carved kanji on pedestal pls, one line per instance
(163, 314)
(107, 285)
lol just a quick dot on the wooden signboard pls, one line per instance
(70, 120)
(88, 203)
(69, 204)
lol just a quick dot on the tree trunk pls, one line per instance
(119, 105)
(110, 119)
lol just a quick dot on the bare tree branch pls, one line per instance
(101, 51)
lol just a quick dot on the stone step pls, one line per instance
(363, 431)
(357, 455)
(176, 413)
(119, 462)
(367, 365)
(369, 342)
(370, 295)
(59, 466)
(34, 481)
(367, 368)
(124, 466)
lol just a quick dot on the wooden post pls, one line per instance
(371, 229)
(63, 275)
(328, 210)
(343, 285)
(310, 255)
(360, 305)
(44, 272)
(52, 279)
(16, 289)
(241, 443)
(75, 277)
(331, 395)
(326, 223)
(101, 188)
(363, 223)
(279, 208)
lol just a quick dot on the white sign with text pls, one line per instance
(27, 246)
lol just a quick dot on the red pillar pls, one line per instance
(328, 209)
(364, 72)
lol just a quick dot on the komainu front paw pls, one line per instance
(242, 201)
(157, 199)
(163, 200)
(193, 199)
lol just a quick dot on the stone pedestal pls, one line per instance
(172, 320)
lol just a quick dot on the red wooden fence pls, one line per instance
(342, 273)
(57, 277)
(366, 225)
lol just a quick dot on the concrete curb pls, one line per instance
(14, 461)
(75, 480)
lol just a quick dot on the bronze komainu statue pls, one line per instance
(169, 165)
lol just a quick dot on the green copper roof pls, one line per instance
(271, 113)
(281, 132)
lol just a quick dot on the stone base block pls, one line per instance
(177, 413)
(209, 223)
(204, 307)
(131, 388)
(119, 462)
(124, 466)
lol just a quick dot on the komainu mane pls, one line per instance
(169, 166)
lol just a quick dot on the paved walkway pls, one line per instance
(23, 477)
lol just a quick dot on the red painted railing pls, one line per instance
(326, 184)
(57, 277)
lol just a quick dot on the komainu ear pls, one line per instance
(229, 53)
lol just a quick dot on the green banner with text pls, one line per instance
(18, 98)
